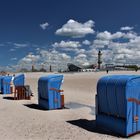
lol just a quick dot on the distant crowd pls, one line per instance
(3, 73)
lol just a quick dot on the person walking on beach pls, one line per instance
(107, 71)
(12, 83)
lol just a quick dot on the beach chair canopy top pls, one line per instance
(19, 80)
(45, 84)
(6, 79)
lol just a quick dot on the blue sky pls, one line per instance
(62, 31)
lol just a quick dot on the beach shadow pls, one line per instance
(90, 125)
(74, 105)
(34, 106)
(8, 98)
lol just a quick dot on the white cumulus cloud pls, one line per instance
(108, 36)
(78, 51)
(86, 42)
(65, 56)
(20, 45)
(127, 28)
(76, 29)
(97, 43)
(57, 60)
(80, 59)
(81, 56)
(14, 59)
(30, 58)
(118, 48)
(67, 44)
(44, 25)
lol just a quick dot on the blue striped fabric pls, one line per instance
(47, 98)
(5, 86)
(113, 95)
(19, 80)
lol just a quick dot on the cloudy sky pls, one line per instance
(41, 32)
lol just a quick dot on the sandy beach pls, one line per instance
(24, 120)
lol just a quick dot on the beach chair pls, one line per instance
(50, 96)
(21, 91)
(5, 84)
(118, 104)
(1, 77)
(18, 86)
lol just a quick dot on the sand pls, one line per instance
(23, 120)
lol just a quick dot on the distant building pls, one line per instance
(87, 68)
(73, 68)
(110, 66)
